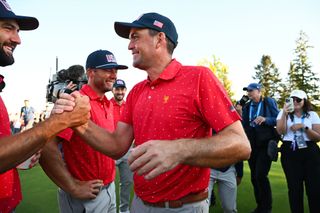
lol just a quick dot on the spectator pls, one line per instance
(259, 118)
(300, 155)
(16, 122)
(27, 115)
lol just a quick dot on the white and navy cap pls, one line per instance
(24, 22)
(103, 59)
(119, 83)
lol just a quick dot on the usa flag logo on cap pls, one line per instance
(5, 4)
(111, 58)
(158, 24)
(120, 82)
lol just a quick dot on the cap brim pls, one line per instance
(119, 86)
(123, 28)
(26, 22)
(112, 66)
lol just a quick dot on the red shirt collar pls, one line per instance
(87, 90)
(168, 73)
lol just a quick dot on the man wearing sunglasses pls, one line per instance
(259, 117)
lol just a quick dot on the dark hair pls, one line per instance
(306, 108)
(170, 45)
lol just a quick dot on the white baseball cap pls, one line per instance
(299, 94)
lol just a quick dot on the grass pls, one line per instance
(39, 193)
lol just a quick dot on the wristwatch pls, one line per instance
(306, 128)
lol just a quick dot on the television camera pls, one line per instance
(62, 78)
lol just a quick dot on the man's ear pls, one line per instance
(161, 38)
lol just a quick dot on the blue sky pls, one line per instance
(237, 32)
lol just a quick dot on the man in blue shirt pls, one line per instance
(258, 119)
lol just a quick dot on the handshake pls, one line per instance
(74, 108)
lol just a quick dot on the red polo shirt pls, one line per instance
(184, 102)
(83, 162)
(117, 110)
(10, 189)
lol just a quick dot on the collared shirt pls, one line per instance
(10, 189)
(117, 110)
(83, 162)
(184, 102)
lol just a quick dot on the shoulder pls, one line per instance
(313, 114)
(137, 89)
(139, 86)
(200, 70)
(269, 100)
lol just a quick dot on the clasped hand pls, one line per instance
(296, 127)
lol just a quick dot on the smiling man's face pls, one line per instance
(9, 39)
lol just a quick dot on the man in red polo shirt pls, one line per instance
(170, 116)
(16, 149)
(125, 183)
(84, 164)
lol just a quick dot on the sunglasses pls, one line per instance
(250, 90)
(298, 100)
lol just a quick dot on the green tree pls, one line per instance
(221, 70)
(285, 88)
(268, 76)
(300, 74)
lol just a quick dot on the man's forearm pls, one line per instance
(53, 165)
(114, 145)
(15, 149)
(228, 147)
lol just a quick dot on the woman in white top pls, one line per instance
(300, 154)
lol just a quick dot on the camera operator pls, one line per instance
(67, 80)
(258, 119)
(240, 104)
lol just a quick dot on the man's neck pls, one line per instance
(119, 102)
(155, 71)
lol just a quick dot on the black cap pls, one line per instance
(153, 21)
(103, 59)
(24, 22)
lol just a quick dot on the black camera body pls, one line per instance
(61, 79)
(244, 99)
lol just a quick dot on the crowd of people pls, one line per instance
(176, 135)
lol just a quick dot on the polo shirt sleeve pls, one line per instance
(314, 117)
(214, 103)
(66, 134)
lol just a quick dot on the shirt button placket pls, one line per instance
(152, 88)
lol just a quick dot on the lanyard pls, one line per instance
(251, 110)
(293, 144)
(302, 121)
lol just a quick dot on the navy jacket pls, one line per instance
(269, 110)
